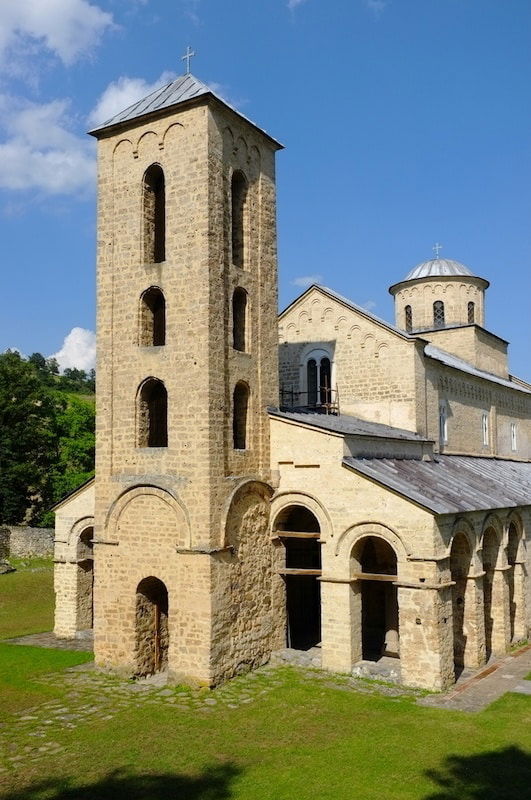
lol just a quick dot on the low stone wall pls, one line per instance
(20, 542)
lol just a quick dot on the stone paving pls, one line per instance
(83, 642)
(474, 693)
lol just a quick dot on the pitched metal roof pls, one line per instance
(345, 424)
(436, 267)
(457, 363)
(184, 88)
(452, 484)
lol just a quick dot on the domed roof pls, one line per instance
(438, 266)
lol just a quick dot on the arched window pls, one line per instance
(318, 378)
(408, 318)
(239, 319)
(152, 318)
(438, 314)
(154, 215)
(471, 311)
(240, 410)
(239, 189)
(153, 414)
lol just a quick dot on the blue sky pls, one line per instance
(406, 122)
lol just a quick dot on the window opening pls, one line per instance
(239, 319)
(443, 424)
(513, 437)
(154, 215)
(409, 318)
(240, 414)
(485, 428)
(438, 314)
(471, 310)
(153, 318)
(239, 191)
(153, 414)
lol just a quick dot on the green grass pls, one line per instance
(26, 598)
(301, 740)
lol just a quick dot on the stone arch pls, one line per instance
(360, 530)
(242, 150)
(284, 499)
(382, 350)
(80, 542)
(461, 555)
(245, 486)
(491, 521)
(353, 329)
(123, 148)
(148, 141)
(516, 578)
(77, 528)
(168, 498)
(152, 318)
(464, 526)
(173, 131)
(152, 413)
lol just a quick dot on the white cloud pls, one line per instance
(306, 280)
(40, 152)
(68, 28)
(377, 6)
(122, 93)
(294, 3)
(78, 350)
(369, 305)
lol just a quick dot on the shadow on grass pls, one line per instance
(213, 783)
(500, 775)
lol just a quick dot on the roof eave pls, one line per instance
(412, 281)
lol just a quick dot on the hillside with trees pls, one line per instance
(46, 435)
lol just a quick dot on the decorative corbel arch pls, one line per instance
(122, 501)
(361, 530)
(78, 527)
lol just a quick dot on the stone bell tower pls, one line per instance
(187, 365)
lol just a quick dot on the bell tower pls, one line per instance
(187, 365)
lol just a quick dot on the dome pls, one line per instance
(436, 267)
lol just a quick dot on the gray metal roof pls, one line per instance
(345, 424)
(351, 305)
(457, 363)
(183, 88)
(451, 484)
(436, 267)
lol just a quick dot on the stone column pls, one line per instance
(499, 610)
(65, 585)
(474, 622)
(426, 635)
(340, 624)
(519, 612)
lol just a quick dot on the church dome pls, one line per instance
(436, 267)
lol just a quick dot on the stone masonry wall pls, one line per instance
(22, 542)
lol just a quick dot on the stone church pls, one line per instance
(322, 479)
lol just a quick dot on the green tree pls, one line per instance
(28, 439)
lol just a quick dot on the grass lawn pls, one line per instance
(278, 735)
(27, 598)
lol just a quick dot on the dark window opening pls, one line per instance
(438, 314)
(153, 318)
(409, 318)
(154, 215)
(239, 190)
(240, 414)
(153, 414)
(239, 319)
(471, 310)
(374, 556)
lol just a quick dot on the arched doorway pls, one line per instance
(85, 580)
(151, 627)
(460, 559)
(490, 559)
(299, 531)
(375, 565)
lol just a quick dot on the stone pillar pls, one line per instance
(518, 613)
(391, 644)
(340, 625)
(65, 585)
(499, 611)
(474, 622)
(426, 636)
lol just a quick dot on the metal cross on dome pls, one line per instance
(436, 249)
(187, 56)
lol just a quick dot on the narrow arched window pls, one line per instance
(408, 314)
(153, 414)
(154, 215)
(240, 412)
(239, 189)
(438, 314)
(471, 310)
(311, 379)
(239, 319)
(325, 377)
(152, 318)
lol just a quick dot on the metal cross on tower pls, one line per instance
(436, 249)
(187, 56)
